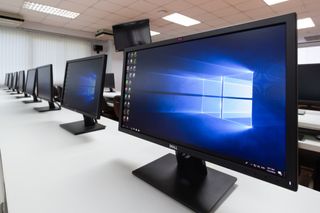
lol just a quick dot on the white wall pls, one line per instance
(21, 50)
(309, 55)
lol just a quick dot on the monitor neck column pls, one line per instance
(89, 121)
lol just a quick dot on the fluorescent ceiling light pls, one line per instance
(181, 19)
(153, 33)
(49, 10)
(272, 2)
(305, 23)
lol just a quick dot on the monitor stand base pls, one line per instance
(51, 107)
(81, 127)
(35, 100)
(201, 193)
(24, 96)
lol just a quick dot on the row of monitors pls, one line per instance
(227, 96)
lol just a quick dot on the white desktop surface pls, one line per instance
(310, 120)
(49, 170)
(109, 94)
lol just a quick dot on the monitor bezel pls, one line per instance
(34, 82)
(51, 82)
(290, 181)
(95, 116)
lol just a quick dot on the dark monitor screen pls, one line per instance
(131, 34)
(6, 79)
(15, 80)
(220, 95)
(21, 81)
(45, 82)
(83, 85)
(308, 83)
(109, 81)
(10, 80)
(31, 81)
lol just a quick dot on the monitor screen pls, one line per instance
(109, 80)
(83, 85)
(131, 34)
(308, 83)
(31, 81)
(6, 79)
(222, 95)
(21, 81)
(45, 82)
(10, 80)
(15, 80)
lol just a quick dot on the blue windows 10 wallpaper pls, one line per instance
(222, 95)
(83, 81)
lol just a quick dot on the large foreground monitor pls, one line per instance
(31, 84)
(227, 96)
(82, 92)
(308, 84)
(45, 88)
(131, 34)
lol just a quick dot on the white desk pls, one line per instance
(48, 170)
(310, 120)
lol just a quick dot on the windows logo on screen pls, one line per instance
(87, 87)
(229, 97)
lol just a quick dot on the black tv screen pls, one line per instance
(228, 96)
(308, 83)
(131, 34)
(45, 82)
(83, 85)
(31, 81)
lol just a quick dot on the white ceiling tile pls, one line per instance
(87, 3)
(143, 6)
(237, 18)
(9, 8)
(250, 5)
(95, 13)
(226, 12)
(47, 2)
(123, 2)
(72, 6)
(194, 11)
(159, 2)
(214, 5)
(107, 6)
(260, 13)
(128, 12)
(178, 5)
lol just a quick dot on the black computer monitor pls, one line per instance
(308, 85)
(10, 80)
(14, 82)
(31, 84)
(226, 96)
(6, 79)
(109, 81)
(82, 92)
(131, 34)
(45, 88)
(21, 85)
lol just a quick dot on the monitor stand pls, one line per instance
(187, 180)
(35, 100)
(24, 96)
(51, 107)
(85, 126)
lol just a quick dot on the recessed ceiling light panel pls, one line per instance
(181, 19)
(50, 10)
(154, 33)
(272, 2)
(305, 23)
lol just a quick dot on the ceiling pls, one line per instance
(98, 14)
